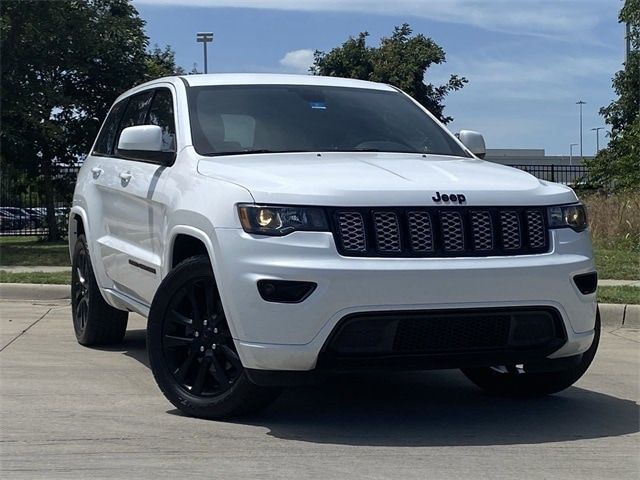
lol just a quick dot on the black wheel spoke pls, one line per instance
(197, 317)
(172, 341)
(198, 384)
(216, 320)
(182, 370)
(231, 356)
(218, 372)
(81, 312)
(180, 319)
(210, 299)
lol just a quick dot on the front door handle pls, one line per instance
(125, 178)
(96, 172)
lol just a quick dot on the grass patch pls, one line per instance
(56, 278)
(617, 263)
(614, 221)
(32, 251)
(625, 294)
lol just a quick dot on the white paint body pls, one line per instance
(139, 219)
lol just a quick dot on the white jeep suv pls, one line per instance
(275, 229)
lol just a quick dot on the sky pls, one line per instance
(527, 61)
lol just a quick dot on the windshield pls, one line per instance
(237, 119)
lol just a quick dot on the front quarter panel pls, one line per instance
(200, 201)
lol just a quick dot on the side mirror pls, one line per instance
(144, 142)
(141, 137)
(474, 141)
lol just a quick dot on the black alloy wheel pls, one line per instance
(196, 341)
(80, 290)
(95, 322)
(191, 350)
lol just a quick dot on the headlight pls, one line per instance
(279, 221)
(573, 216)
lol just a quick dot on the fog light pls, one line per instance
(285, 291)
(587, 282)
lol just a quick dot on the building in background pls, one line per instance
(529, 156)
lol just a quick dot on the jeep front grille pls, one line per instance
(440, 232)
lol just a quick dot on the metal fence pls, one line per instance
(23, 211)
(573, 175)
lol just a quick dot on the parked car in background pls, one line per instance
(39, 214)
(10, 221)
(28, 219)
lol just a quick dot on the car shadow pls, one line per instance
(436, 408)
(134, 345)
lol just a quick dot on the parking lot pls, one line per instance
(73, 412)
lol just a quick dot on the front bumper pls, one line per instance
(278, 336)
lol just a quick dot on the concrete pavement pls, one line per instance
(72, 412)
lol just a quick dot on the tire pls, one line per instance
(516, 382)
(191, 352)
(95, 322)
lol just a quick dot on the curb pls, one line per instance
(611, 314)
(42, 269)
(34, 291)
(617, 315)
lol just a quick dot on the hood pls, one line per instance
(380, 179)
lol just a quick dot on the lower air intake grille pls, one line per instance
(436, 334)
(447, 332)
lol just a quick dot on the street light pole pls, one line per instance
(571, 152)
(628, 42)
(580, 102)
(204, 38)
(597, 130)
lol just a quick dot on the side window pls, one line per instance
(135, 113)
(161, 114)
(104, 144)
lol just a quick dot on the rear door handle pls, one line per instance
(125, 177)
(96, 172)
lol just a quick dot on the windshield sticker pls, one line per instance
(318, 105)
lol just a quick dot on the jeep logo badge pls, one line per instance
(449, 197)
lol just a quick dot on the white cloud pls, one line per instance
(527, 78)
(563, 18)
(297, 61)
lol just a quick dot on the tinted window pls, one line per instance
(237, 119)
(136, 111)
(104, 144)
(161, 114)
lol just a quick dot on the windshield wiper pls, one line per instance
(373, 150)
(251, 151)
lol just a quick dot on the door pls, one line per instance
(133, 209)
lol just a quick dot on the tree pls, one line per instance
(400, 60)
(161, 63)
(68, 62)
(619, 164)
